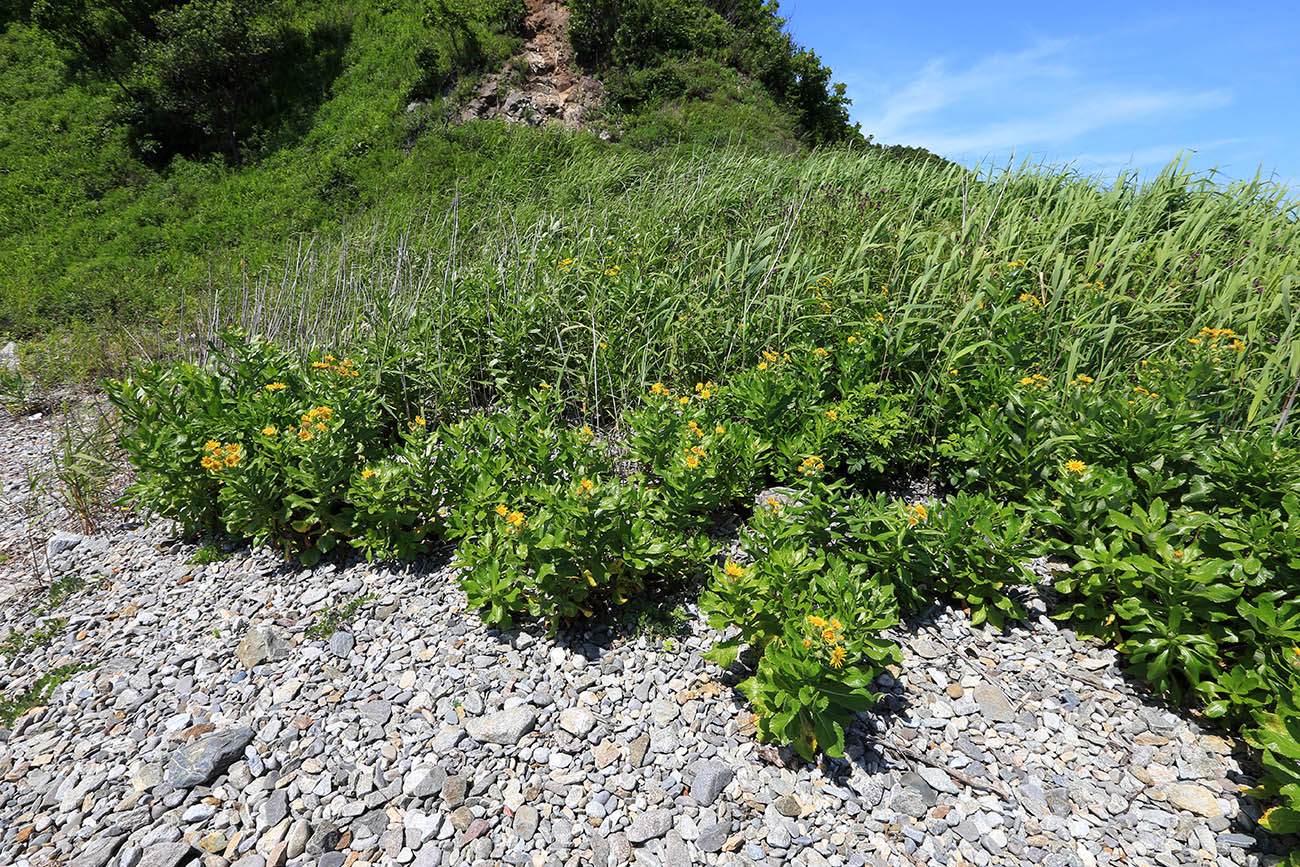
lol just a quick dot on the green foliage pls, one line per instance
(330, 620)
(34, 695)
(641, 46)
(17, 643)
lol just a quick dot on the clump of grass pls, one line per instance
(17, 643)
(330, 620)
(209, 553)
(37, 693)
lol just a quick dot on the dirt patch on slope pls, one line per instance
(552, 88)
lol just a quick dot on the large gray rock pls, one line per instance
(9, 356)
(506, 727)
(97, 853)
(649, 825)
(994, 704)
(711, 777)
(203, 760)
(712, 837)
(165, 854)
(262, 644)
(424, 782)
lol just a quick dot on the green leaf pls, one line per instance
(1281, 820)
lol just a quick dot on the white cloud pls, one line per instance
(1020, 101)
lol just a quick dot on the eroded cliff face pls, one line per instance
(552, 88)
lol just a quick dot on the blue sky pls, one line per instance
(1103, 86)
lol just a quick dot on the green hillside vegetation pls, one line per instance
(155, 148)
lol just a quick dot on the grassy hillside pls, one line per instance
(124, 188)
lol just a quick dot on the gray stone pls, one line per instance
(637, 749)
(712, 837)
(377, 712)
(526, 819)
(299, 834)
(649, 825)
(711, 777)
(424, 781)
(323, 839)
(938, 780)
(1196, 799)
(577, 721)
(97, 852)
(165, 855)
(454, 790)
(332, 859)
(993, 703)
(506, 727)
(341, 644)
(262, 644)
(252, 859)
(202, 761)
(788, 806)
(673, 852)
(275, 808)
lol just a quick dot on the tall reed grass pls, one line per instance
(623, 269)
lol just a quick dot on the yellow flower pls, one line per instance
(953, 371)
(837, 656)
(820, 351)
(587, 432)
(832, 415)
(275, 386)
(1193, 341)
(835, 624)
(320, 365)
(268, 431)
(1083, 381)
(211, 445)
(544, 385)
(587, 485)
(367, 473)
(305, 435)
(502, 510)
(515, 519)
(1076, 466)
(419, 420)
(762, 365)
(210, 463)
(692, 461)
(918, 515)
(233, 458)
(719, 429)
(816, 621)
(658, 388)
(807, 642)
(852, 339)
(734, 570)
(828, 635)
(683, 400)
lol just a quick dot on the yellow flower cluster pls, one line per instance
(565, 265)
(704, 390)
(811, 464)
(832, 415)
(1037, 380)
(612, 271)
(1142, 391)
(916, 514)
(734, 571)
(831, 634)
(1214, 335)
(1082, 381)
(1076, 466)
(367, 474)
(819, 351)
(587, 432)
(417, 422)
(217, 455)
(275, 386)
(346, 367)
(1032, 300)
(660, 389)
(1016, 263)
(585, 487)
(694, 428)
(515, 519)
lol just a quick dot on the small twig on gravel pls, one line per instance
(964, 779)
(1091, 681)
